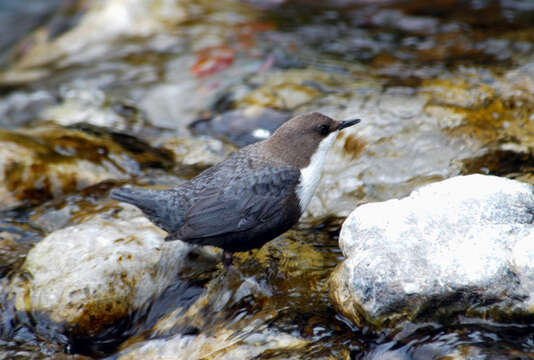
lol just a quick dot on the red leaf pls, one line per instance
(213, 59)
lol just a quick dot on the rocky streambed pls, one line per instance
(403, 253)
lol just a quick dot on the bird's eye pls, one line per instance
(324, 129)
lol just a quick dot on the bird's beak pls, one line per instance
(347, 123)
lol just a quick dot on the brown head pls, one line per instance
(297, 140)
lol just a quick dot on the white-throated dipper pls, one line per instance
(250, 198)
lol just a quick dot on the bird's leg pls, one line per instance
(227, 259)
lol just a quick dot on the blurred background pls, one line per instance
(95, 94)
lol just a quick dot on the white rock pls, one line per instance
(468, 235)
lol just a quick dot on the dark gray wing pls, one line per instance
(245, 199)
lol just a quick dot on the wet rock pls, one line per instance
(251, 109)
(164, 111)
(160, 101)
(20, 107)
(114, 20)
(212, 326)
(399, 21)
(521, 81)
(460, 91)
(193, 155)
(238, 314)
(397, 147)
(404, 35)
(463, 245)
(510, 164)
(17, 20)
(221, 345)
(72, 209)
(81, 103)
(45, 162)
(262, 96)
(409, 137)
(476, 105)
(88, 276)
(455, 342)
(242, 127)
(287, 90)
(427, 351)
(33, 351)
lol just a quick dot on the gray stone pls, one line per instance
(85, 103)
(461, 243)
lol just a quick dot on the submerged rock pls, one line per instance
(88, 276)
(160, 101)
(242, 127)
(409, 137)
(464, 245)
(223, 345)
(196, 153)
(83, 103)
(45, 162)
(238, 316)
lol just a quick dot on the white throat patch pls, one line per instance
(311, 175)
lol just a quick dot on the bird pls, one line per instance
(256, 194)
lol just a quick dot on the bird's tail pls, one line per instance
(158, 205)
(139, 197)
